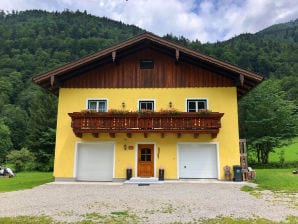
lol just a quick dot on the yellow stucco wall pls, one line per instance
(223, 99)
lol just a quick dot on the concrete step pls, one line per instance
(143, 180)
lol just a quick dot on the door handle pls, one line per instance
(184, 167)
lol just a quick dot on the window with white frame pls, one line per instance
(194, 105)
(146, 105)
(98, 105)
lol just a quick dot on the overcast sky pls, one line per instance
(205, 20)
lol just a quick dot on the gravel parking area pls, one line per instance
(162, 203)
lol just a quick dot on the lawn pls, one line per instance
(277, 180)
(291, 152)
(25, 180)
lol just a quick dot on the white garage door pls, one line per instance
(95, 161)
(197, 160)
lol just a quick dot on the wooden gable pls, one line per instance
(174, 66)
(166, 73)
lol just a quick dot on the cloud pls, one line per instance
(205, 20)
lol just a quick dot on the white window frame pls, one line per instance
(97, 99)
(140, 100)
(196, 99)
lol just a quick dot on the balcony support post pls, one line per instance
(95, 135)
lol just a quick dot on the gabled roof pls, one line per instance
(53, 79)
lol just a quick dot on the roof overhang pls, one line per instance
(53, 79)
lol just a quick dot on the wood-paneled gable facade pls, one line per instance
(175, 66)
(167, 73)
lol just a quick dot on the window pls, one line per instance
(146, 154)
(194, 105)
(146, 64)
(98, 105)
(146, 105)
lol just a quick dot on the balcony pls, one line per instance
(157, 122)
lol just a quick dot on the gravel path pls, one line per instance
(162, 203)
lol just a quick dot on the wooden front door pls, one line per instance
(145, 160)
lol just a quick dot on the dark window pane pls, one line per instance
(146, 64)
(142, 106)
(201, 105)
(143, 157)
(191, 106)
(149, 106)
(148, 158)
(92, 105)
(102, 106)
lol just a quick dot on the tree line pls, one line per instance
(35, 41)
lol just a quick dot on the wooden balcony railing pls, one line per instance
(157, 122)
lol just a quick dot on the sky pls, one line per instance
(203, 20)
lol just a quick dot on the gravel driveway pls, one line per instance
(180, 201)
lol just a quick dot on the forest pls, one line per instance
(35, 41)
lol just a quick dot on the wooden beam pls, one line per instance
(52, 80)
(178, 135)
(145, 135)
(241, 78)
(113, 56)
(95, 135)
(213, 135)
(196, 135)
(162, 135)
(128, 135)
(177, 55)
(79, 134)
(112, 135)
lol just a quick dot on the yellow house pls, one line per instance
(145, 105)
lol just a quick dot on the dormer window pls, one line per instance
(146, 64)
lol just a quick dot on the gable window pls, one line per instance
(146, 64)
(98, 105)
(194, 105)
(146, 105)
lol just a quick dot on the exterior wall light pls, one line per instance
(124, 146)
(170, 104)
(123, 105)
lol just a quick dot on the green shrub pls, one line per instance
(45, 163)
(21, 160)
(274, 165)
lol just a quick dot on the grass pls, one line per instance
(291, 152)
(94, 218)
(115, 217)
(25, 180)
(26, 220)
(277, 180)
